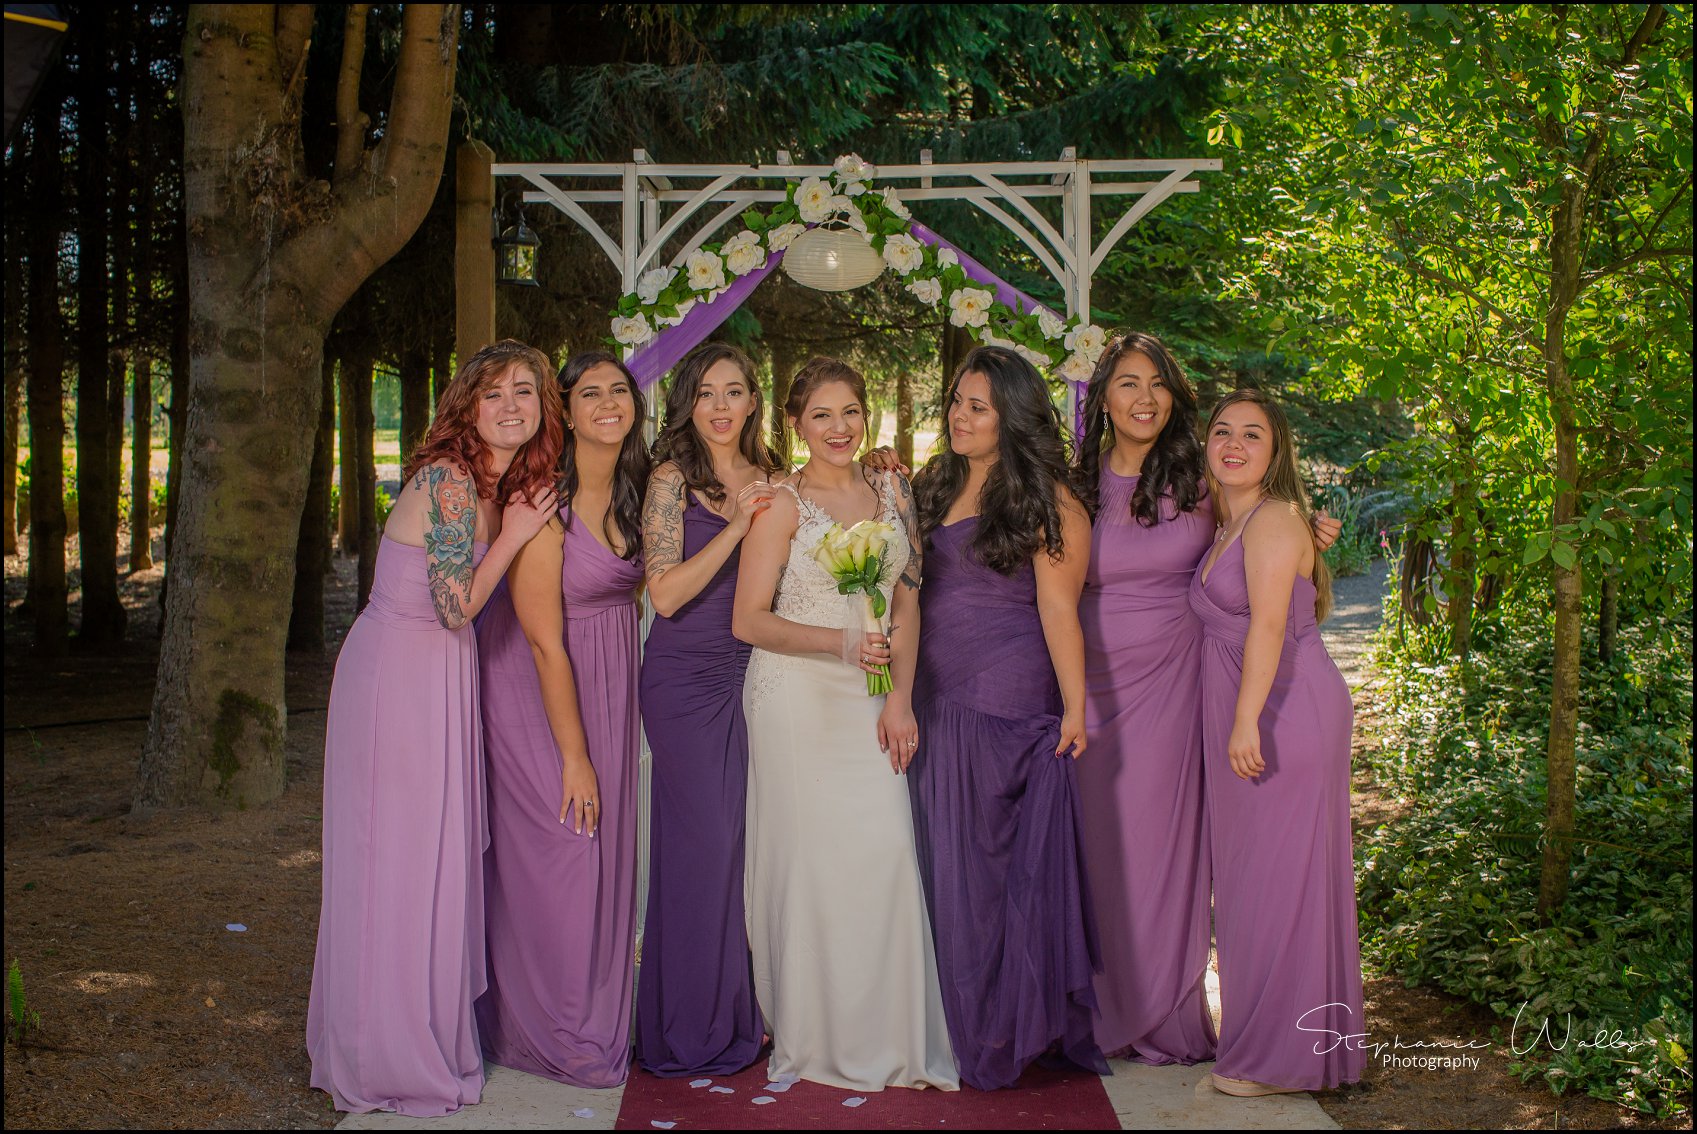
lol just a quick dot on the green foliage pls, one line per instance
(1447, 893)
(20, 1019)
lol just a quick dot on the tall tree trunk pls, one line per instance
(347, 463)
(14, 420)
(176, 412)
(97, 486)
(786, 359)
(312, 553)
(1608, 618)
(441, 373)
(1460, 580)
(415, 400)
(365, 472)
(904, 416)
(273, 257)
(954, 342)
(141, 466)
(48, 596)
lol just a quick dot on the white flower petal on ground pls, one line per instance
(633, 330)
(812, 200)
(781, 237)
(903, 253)
(927, 291)
(970, 307)
(706, 270)
(653, 282)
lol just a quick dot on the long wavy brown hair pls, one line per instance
(630, 471)
(679, 441)
(1282, 481)
(453, 434)
(1173, 468)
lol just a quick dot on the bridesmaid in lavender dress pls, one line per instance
(1145, 843)
(557, 654)
(999, 697)
(695, 1005)
(1275, 733)
(400, 931)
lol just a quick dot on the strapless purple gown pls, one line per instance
(695, 1007)
(400, 956)
(995, 816)
(1140, 782)
(1284, 871)
(562, 906)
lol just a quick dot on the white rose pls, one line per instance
(1050, 324)
(894, 204)
(1036, 357)
(851, 215)
(674, 320)
(987, 337)
(947, 256)
(737, 241)
(852, 167)
(653, 282)
(706, 270)
(904, 254)
(928, 292)
(970, 307)
(632, 331)
(1076, 368)
(813, 200)
(781, 237)
(1087, 339)
(744, 257)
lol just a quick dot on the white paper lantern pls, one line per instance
(832, 259)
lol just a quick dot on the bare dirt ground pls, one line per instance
(155, 1013)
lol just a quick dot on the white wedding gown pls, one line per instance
(843, 963)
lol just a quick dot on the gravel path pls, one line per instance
(1356, 602)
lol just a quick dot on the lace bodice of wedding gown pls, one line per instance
(807, 593)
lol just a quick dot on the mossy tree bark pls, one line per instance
(273, 253)
(312, 553)
(48, 594)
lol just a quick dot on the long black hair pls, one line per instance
(1017, 512)
(630, 471)
(679, 442)
(1174, 467)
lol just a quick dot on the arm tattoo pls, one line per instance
(913, 572)
(663, 523)
(448, 542)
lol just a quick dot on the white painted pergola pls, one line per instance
(655, 206)
(657, 202)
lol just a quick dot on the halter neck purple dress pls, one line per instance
(1140, 783)
(400, 956)
(562, 906)
(1284, 872)
(995, 816)
(695, 1007)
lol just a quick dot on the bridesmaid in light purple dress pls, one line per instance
(558, 658)
(400, 932)
(1276, 730)
(1145, 839)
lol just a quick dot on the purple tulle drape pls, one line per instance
(666, 349)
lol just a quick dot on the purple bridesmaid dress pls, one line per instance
(995, 816)
(400, 957)
(562, 906)
(1140, 782)
(695, 1006)
(1284, 872)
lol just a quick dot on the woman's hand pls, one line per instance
(754, 499)
(579, 787)
(1072, 734)
(867, 649)
(522, 519)
(1326, 530)
(1244, 750)
(884, 459)
(898, 732)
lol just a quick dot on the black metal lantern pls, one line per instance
(515, 255)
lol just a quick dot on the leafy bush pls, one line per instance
(1367, 517)
(1448, 894)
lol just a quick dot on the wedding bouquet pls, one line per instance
(857, 560)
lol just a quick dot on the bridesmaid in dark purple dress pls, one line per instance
(696, 1011)
(557, 647)
(1275, 733)
(999, 697)
(1145, 842)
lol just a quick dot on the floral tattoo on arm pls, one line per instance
(912, 573)
(663, 523)
(448, 542)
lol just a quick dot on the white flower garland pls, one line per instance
(933, 276)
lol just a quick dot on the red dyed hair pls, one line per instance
(453, 434)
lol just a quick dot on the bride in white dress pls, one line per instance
(843, 962)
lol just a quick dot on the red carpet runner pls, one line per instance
(1042, 1100)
